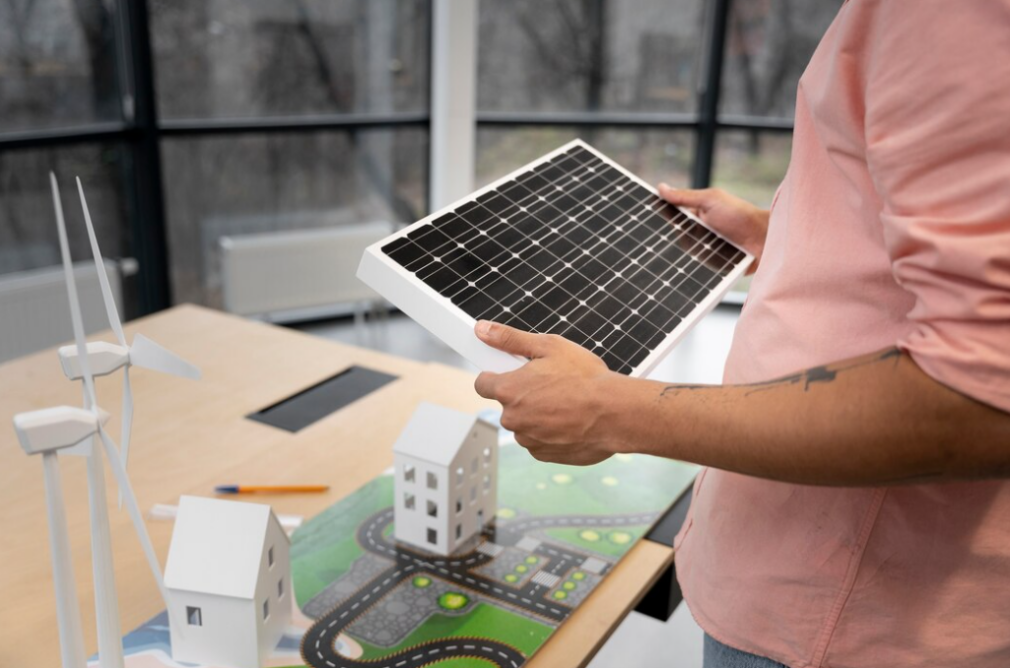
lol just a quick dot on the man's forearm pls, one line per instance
(872, 420)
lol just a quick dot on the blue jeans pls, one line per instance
(718, 655)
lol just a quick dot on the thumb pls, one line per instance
(695, 199)
(511, 340)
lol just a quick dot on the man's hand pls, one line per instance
(738, 220)
(557, 402)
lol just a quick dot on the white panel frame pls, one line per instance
(452, 325)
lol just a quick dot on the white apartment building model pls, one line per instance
(446, 488)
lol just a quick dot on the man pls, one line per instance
(856, 512)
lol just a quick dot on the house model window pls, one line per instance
(408, 501)
(473, 466)
(432, 536)
(487, 456)
(432, 480)
(459, 476)
(409, 474)
(459, 531)
(280, 588)
(432, 509)
(270, 557)
(473, 494)
(266, 609)
(459, 506)
(194, 616)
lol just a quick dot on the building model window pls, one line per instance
(266, 609)
(409, 473)
(432, 509)
(432, 536)
(280, 588)
(408, 501)
(270, 557)
(432, 480)
(459, 476)
(194, 616)
(459, 506)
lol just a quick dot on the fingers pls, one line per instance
(485, 385)
(512, 340)
(695, 199)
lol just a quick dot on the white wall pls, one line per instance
(273, 627)
(224, 636)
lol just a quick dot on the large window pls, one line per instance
(188, 120)
(682, 91)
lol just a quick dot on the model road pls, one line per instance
(318, 642)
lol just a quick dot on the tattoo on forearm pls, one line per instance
(814, 375)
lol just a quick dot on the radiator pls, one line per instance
(35, 310)
(291, 274)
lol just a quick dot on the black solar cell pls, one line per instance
(574, 247)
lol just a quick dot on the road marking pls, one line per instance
(417, 656)
(451, 648)
(469, 647)
(322, 633)
(488, 650)
(503, 655)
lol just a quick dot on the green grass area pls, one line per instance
(619, 485)
(613, 543)
(324, 548)
(463, 662)
(484, 621)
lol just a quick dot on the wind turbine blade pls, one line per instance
(75, 304)
(103, 279)
(127, 423)
(147, 354)
(123, 482)
(68, 611)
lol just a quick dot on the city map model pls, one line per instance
(362, 600)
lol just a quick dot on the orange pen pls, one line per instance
(269, 489)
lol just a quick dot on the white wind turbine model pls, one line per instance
(79, 365)
(46, 432)
(105, 358)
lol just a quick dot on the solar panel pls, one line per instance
(571, 244)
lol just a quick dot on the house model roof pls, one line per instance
(217, 546)
(434, 433)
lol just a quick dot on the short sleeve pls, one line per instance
(937, 126)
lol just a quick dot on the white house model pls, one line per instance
(446, 489)
(229, 582)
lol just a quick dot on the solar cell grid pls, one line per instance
(573, 247)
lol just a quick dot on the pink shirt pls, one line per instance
(891, 227)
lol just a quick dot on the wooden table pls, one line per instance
(189, 436)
